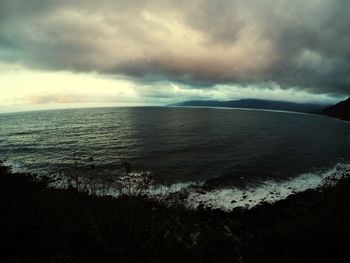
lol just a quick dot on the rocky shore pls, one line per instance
(40, 224)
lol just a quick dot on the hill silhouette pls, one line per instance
(340, 110)
(256, 104)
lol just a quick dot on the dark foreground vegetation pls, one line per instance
(38, 224)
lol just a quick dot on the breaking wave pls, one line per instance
(193, 195)
(16, 167)
(270, 191)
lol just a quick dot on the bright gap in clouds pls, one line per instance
(23, 89)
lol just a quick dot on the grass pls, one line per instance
(38, 224)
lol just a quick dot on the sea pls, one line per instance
(220, 158)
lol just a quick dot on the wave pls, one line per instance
(23, 133)
(270, 191)
(16, 166)
(193, 194)
(180, 187)
(116, 184)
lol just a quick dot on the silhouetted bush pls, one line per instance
(40, 224)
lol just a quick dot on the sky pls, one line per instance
(63, 53)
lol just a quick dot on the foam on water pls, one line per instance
(270, 191)
(16, 167)
(116, 185)
(159, 190)
(192, 194)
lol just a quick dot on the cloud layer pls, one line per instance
(295, 44)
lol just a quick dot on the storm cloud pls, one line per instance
(300, 45)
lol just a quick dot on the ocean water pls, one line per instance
(233, 155)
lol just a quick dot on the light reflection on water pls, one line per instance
(217, 146)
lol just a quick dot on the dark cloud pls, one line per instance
(296, 44)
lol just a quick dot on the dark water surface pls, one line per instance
(219, 146)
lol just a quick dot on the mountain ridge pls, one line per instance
(256, 104)
(340, 110)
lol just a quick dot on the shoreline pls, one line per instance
(41, 224)
(194, 194)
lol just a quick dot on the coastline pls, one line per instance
(41, 224)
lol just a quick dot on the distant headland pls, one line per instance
(340, 110)
(256, 104)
